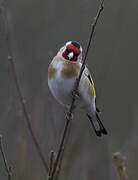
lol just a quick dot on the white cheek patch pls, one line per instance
(68, 43)
(81, 49)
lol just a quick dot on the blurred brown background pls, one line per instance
(38, 29)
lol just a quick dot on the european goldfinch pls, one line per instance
(62, 73)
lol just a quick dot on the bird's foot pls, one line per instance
(76, 94)
(69, 115)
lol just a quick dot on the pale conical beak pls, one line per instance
(70, 55)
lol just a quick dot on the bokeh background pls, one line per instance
(38, 29)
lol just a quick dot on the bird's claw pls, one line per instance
(75, 94)
(69, 115)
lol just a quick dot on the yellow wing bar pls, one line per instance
(92, 85)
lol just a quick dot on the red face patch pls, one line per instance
(74, 49)
(65, 55)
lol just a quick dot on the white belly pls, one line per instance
(62, 89)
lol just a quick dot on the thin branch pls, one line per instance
(57, 174)
(50, 164)
(72, 106)
(22, 100)
(7, 167)
(27, 117)
(120, 163)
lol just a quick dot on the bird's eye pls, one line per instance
(68, 50)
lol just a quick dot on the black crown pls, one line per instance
(76, 44)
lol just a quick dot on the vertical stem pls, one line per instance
(120, 163)
(51, 164)
(7, 167)
(60, 147)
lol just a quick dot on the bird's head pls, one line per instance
(71, 51)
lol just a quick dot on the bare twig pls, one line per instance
(22, 100)
(120, 163)
(7, 167)
(57, 174)
(72, 107)
(50, 164)
(27, 117)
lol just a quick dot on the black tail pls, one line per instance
(97, 125)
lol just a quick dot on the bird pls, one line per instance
(63, 71)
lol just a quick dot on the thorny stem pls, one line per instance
(7, 167)
(22, 100)
(71, 109)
